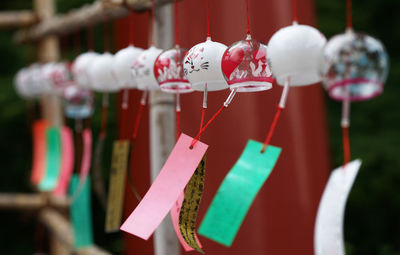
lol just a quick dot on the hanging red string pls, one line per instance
(178, 123)
(176, 23)
(64, 47)
(247, 15)
(271, 129)
(195, 140)
(346, 145)
(123, 113)
(226, 104)
(90, 36)
(133, 143)
(106, 35)
(131, 26)
(203, 113)
(139, 116)
(281, 106)
(137, 122)
(208, 20)
(294, 6)
(349, 7)
(77, 43)
(152, 22)
(104, 116)
(178, 114)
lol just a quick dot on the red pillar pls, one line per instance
(281, 220)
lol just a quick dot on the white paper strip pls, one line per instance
(328, 234)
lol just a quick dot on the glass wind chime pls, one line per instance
(354, 67)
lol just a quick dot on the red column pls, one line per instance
(281, 220)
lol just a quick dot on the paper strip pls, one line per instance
(190, 207)
(39, 151)
(81, 214)
(86, 159)
(116, 192)
(328, 234)
(67, 161)
(176, 209)
(53, 160)
(163, 193)
(237, 192)
(87, 154)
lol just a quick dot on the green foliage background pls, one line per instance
(372, 226)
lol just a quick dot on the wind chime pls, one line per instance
(354, 67)
(292, 55)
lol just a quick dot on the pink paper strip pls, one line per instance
(87, 155)
(166, 189)
(67, 161)
(176, 209)
(39, 151)
(86, 159)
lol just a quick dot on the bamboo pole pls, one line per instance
(76, 19)
(21, 201)
(10, 201)
(162, 132)
(61, 230)
(12, 19)
(48, 50)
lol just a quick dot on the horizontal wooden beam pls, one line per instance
(21, 201)
(61, 229)
(12, 19)
(31, 201)
(90, 14)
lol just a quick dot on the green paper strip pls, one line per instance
(237, 192)
(53, 159)
(81, 213)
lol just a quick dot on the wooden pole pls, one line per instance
(48, 50)
(61, 231)
(11, 19)
(74, 20)
(162, 132)
(21, 201)
(31, 201)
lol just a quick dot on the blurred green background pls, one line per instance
(371, 226)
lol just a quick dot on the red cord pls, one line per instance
(203, 112)
(123, 115)
(137, 122)
(90, 37)
(247, 14)
(346, 145)
(123, 123)
(349, 7)
(178, 123)
(152, 22)
(77, 43)
(294, 3)
(176, 23)
(104, 117)
(106, 31)
(131, 28)
(272, 129)
(208, 20)
(196, 139)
